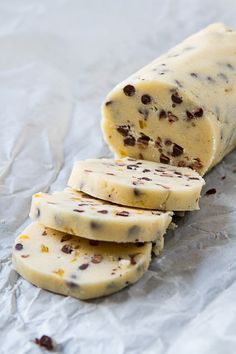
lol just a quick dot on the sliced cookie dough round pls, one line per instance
(79, 214)
(78, 267)
(138, 183)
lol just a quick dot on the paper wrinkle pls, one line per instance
(58, 61)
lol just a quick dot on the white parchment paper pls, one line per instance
(58, 60)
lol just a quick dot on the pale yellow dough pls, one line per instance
(179, 109)
(74, 266)
(82, 215)
(138, 183)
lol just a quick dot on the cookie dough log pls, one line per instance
(138, 183)
(179, 109)
(81, 215)
(74, 266)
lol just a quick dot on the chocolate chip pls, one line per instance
(164, 159)
(129, 90)
(132, 258)
(171, 117)
(93, 242)
(210, 79)
(143, 139)
(146, 99)
(110, 174)
(177, 150)
(195, 113)
(129, 140)
(108, 103)
(146, 170)
(44, 233)
(134, 231)
(146, 179)
(210, 191)
(131, 167)
(230, 66)
(194, 75)
(194, 178)
(122, 213)
(66, 237)
(123, 130)
(78, 210)
(37, 213)
(162, 114)
(83, 266)
(144, 112)
(168, 142)
(102, 211)
(95, 225)
(45, 342)
(176, 98)
(19, 246)
(67, 249)
(137, 192)
(97, 258)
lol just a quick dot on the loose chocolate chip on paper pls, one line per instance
(122, 213)
(19, 246)
(45, 342)
(164, 159)
(210, 191)
(129, 90)
(102, 211)
(176, 98)
(123, 130)
(67, 249)
(146, 99)
(177, 150)
(129, 140)
(83, 266)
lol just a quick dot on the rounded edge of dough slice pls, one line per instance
(73, 266)
(160, 187)
(79, 214)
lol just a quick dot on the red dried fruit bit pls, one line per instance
(83, 266)
(146, 99)
(122, 213)
(176, 98)
(177, 150)
(97, 258)
(67, 249)
(45, 342)
(66, 237)
(93, 243)
(78, 210)
(129, 90)
(162, 114)
(164, 159)
(123, 130)
(210, 191)
(19, 246)
(129, 140)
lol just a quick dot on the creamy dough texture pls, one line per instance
(138, 183)
(180, 109)
(79, 214)
(74, 266)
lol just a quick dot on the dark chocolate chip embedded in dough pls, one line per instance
(230, 66)
(122, 213)
(137, 192)
(129, 140)
(164, 159)
(83, 266)
(162, 114)
(123, 130)
(94, 225)
(177, 150)
(78, 210)
(171, 117)
(146, 99)
(134, 231)
(146, 170)
(168, 142)
(176, 98)
(108, 103)
(146, 179)
(102, 211)
(67, 249)
(19, 246)
(37, 212)
(194, 75)
(143, 139)
(129, 90)
(66, 237)
(196, 113)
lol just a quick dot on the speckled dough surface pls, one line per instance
(79, 214)
(179, 109)
(138, 183)
(75, 266)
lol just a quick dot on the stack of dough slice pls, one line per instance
(94, 244)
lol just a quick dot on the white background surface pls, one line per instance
(58, 60)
